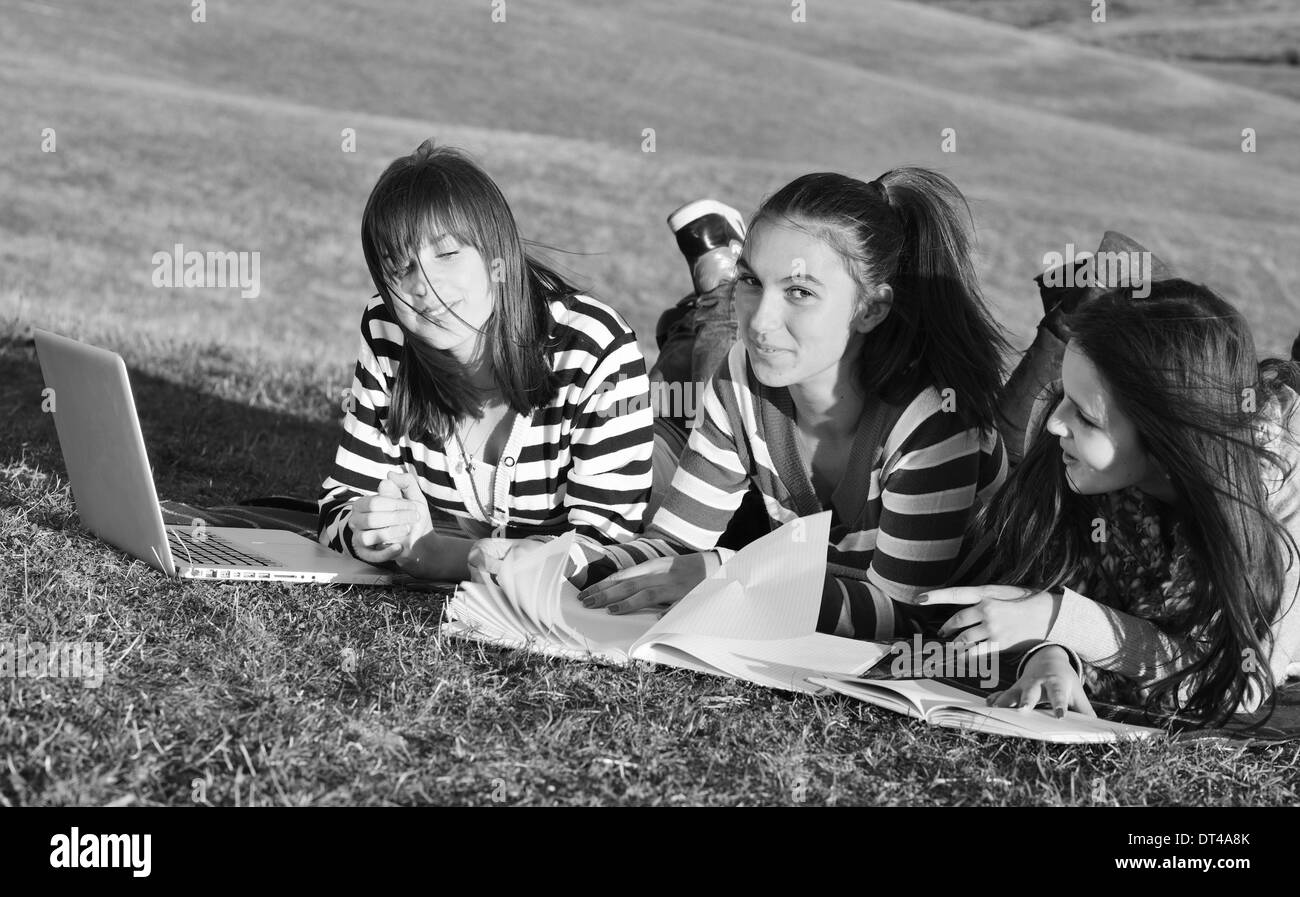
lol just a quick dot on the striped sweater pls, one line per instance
(581, 462)
(898, 517)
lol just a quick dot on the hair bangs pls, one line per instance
(410, 207)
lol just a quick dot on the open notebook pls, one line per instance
(755, 618)
(942, 704)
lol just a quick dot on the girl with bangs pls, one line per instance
(487, 389)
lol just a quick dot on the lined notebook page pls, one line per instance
(777, 663)
(770, 589)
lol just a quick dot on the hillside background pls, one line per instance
(226, 135)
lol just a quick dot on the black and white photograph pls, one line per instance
(520, 403)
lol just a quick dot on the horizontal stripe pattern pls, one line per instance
(584, 463)
(903, 536)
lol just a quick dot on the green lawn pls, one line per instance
(227, 136)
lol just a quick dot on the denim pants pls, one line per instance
(694, 337)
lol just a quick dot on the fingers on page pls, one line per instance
(642, 599)
(604, 594)
(1031, 695)
(951, 595)
(1058, 697)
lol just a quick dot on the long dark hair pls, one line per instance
(909, 228)
(440, 190)
(1181, 363)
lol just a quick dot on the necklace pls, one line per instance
(473, 485)
(468, 462)
(467, 459)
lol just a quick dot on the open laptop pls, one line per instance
(112, 483)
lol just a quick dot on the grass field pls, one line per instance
(1254, 43)
(226, 135)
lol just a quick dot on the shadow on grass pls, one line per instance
(205, 450)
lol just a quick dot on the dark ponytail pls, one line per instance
(909, 229)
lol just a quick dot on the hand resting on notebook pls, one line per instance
(655, 583)
(1048, 676)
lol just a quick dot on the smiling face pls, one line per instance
(1100, 443)
(799, 309)
(444, 296)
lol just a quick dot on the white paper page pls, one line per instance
(561, 613)
(940, 703)
(600, 631)
(1045, 726)
(521, 578)
(555, 592)
(1040, 725)
(782, 556)
(535, 602)
(471, 605)
(455, 629)
(730, 658)
(528, 588)
(879, 697)
(551, 581)
(825, 654)
(923, 694)
(775, 663)
(486, 606)
(771, 589)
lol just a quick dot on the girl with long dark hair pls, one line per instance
(487, 388)
(865, 381)
(1149, 533)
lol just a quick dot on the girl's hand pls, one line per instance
(487, 555)
(385, 527)
(1000, 618)
(1047, 676)
(659, 582)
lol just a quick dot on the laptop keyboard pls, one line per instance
(214, 550)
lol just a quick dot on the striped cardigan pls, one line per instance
(581, 462)
(898, 517)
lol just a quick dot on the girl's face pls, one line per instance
(448, 296)
(798, 307)
(1100, 443)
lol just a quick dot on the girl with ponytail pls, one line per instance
(864, 381)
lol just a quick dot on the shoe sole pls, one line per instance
(701, 207)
